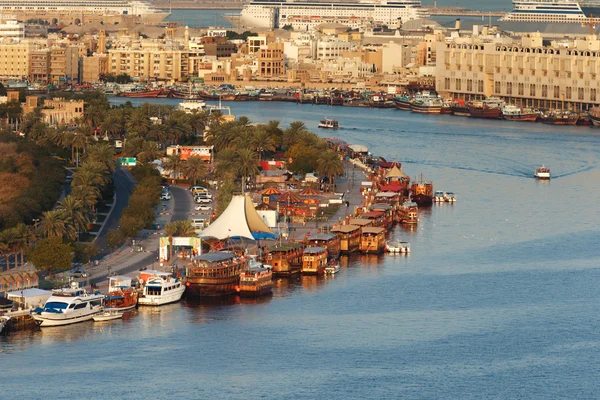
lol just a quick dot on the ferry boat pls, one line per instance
(121, 296)
(542, 173)
(314, 260)
(286, 258)
(408, 213)
(256, 281)
(349, 237)
(160, 288)
(554, 11)
(489, 108)
(329, 124)
(426, 103)
(146, 12)
(68, 306)
(302, 15)
(511, 112)
(422, 192)
(215, 274)
(372, 239)
(328, 240)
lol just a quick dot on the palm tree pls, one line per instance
(244, 138)
(81, 139)
(275, 130)
(149, 152)
(246, 165)
(194, 167)
(185, 228)
(262, 141)
(171, 230)
(173, 163)
(291, 134)
(75, 213)
(94, 114)
(25, 237)
(330, 164)
(8, 239)
(226, 161)
(138, 120)
(90, 174)
(102, 153)
(88, 195)
(54, 224)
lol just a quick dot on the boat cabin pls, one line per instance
(286, 259)
(362, 222)
(215, 274)
(256, 281)
(329, 124)
(377, 218)
(372, 239)
(328, 240)
(388, 214)
(314, 260)
(349, 237)
(408, 213)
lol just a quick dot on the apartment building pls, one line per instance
(14, 59)
(271, 60)
(561, 75)
(153, 62)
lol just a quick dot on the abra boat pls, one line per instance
(329, 124)
(426, 103)
(403, 103)
(542, 173)
(68, 306)
(560, 118)
(121, 296)
(160, 288)
(256, 281)
(408, 213)
(215, 274)
(333, 267)
(314, 260)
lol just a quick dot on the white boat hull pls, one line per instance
(173, 297)
(107, 317)
(542, 175)
(45, 320)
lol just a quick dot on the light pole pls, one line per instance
(35, 223)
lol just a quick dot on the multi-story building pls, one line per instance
(64, 64)
(94, 67)
(39, 65)
(14, 59)
(271, 60)
(12, 29)
(562, 75)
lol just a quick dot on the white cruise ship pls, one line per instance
(146, 11)
(559, 11)
(305, 14)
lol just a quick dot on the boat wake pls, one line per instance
(579, 171)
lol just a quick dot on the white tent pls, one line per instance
(239, 219)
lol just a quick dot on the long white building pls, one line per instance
(303, 14)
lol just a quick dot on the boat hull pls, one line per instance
(521, 117)
(460, 111)
(423, 109)
(489, 113)
(422, 199)
(403, 105)
(173, 297)
(47, 320)
(263, 291)
(213, 287)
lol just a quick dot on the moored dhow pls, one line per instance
(349, 237)
(68, 306)
(286, 258)
(372, 239)
(510, 112)
(256, 281)
(328, 240)
(314, 260)
(214, 274)
(121, 295)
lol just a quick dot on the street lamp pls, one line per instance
(35, 223)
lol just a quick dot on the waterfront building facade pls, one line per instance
(561, 75)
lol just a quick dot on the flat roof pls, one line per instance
(322, 236)
(314, 250)
(360, 221)
(346, 228)
(372, 229)
(216, 256)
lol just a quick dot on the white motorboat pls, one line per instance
(3, 322)
(329, 124)
(191, 106)
(449, 197)
(107, 315)
(68, 306)
(396, 246)
(542, 173)
(333, 267)
(404, 248)
(439, 197)
(160, 289)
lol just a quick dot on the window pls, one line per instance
(80, 306)
(469, 85)
(544, 90)
(556, 92)
(447, 84)
(496, 87)
(509, 88)
(592, 98)
(568, 94)
(580, 93)
(532, 90)
(521, 89)
(480, 86)
(458, 84)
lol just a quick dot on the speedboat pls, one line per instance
(68, 306)
(107, 315)
(449, 197)
(392, 246)
(404, 247)
(160, 289)
(439, 197)
(542, 173)
(333, 267)
(329, 124)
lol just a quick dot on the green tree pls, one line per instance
(291, 134)
(75, 213)
(54, 224)
(149, 152)
(173, 163)
(102, 153)
(8, 240)
(51, 254)
(330, 165)
(262, 141)
(114, 238)
(194, 167)
(171, 230)
(25, 237)
(246, 165)
(84, 252)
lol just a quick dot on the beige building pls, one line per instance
(61, 111)
(271, 60)
(14, 59)
(64, 64)
(94, 67)
(562, 75)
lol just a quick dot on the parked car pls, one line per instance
(79, 274)
(203, 207)
(165, 196)
(202, 200)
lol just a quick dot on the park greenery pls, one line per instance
(33, 168)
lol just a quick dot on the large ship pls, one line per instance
(52, 8)
(306, 14)
(214, 274)
(553, 11)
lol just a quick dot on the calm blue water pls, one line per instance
(498, 299)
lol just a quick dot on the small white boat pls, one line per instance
(3, 322)
(160, 289)
(329, 124)
(439, 197)
(108, 315)
(542, 172)
(68, 306)
(449, 197)
(333, 267)
(404, 248)
(396, 246)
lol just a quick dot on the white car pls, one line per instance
(202, 207)
(203, 195)
(202, 200)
